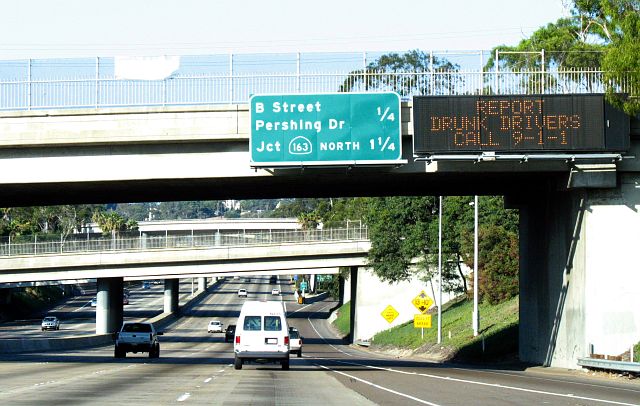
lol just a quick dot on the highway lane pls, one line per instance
(77, 317)
(196, 368)
(388, 380)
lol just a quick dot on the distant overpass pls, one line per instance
(153, 235)
(262, 252)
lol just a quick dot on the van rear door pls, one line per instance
(263, 334)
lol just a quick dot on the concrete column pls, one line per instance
(312, 282)
(109, 307)
(171, 297)
(202, 283)
(340, 290)
(354, 289)
(552, 279)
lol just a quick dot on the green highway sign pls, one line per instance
(325, 129)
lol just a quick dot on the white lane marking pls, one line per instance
(302, 308)
(495, 385)
(222, 370)
(457, 379)
(208, 380)
(523, 376)
(320, 335)
(462, 369)
(380, 387)
(183, 397)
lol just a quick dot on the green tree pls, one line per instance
(62, 220)
(618, 24)
(399, 233)
(309, 221)
(378, 75)
(498, 263)
(112, 222)
(599, 34)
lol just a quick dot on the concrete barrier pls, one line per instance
(18, 345)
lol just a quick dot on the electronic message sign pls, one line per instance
(539, 123)
(330, 128)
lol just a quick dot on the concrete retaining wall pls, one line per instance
(374, 295)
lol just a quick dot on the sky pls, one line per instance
(86, 28)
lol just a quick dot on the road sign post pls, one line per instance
(325, 129)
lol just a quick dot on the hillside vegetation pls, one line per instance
(498, 330)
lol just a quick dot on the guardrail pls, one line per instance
(76, 244)
(623, 366)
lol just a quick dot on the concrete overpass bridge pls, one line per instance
(111, 261)
(578, 212)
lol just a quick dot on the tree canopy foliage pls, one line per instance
(603, 34)
(415, 62)
(64, 220)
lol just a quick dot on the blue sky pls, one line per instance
(74, 28)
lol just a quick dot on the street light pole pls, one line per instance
(440, 271)
(475, 267)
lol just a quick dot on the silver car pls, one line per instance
(295, 341)
(50, 323)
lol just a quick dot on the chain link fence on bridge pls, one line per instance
(78, 243)
(47, 85)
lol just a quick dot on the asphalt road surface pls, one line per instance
(195, 367)
(78, 318)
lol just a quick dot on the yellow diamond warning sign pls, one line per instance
(389, 314)
(422, 302)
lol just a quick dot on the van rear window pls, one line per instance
(252, 323)
(272, 323)
(136, 328)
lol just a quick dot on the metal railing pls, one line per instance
(100, 92)
(78, 244)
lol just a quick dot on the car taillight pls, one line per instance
(237, 339)
(286, 340)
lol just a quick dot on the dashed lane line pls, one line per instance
(183, 397)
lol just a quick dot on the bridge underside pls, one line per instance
(336, 182)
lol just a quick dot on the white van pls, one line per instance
(262, 333)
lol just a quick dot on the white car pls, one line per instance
(275, 292)
(295, 341)
(215, 326)
(94, 302)
(50, 323)
(242, 293)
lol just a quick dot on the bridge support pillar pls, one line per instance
(578, 283)
(340, 290)
(67, 290)
(312, 283)
(202, 283)
(171, 297)
(353, 278)
(553, 273)
(109, 314)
